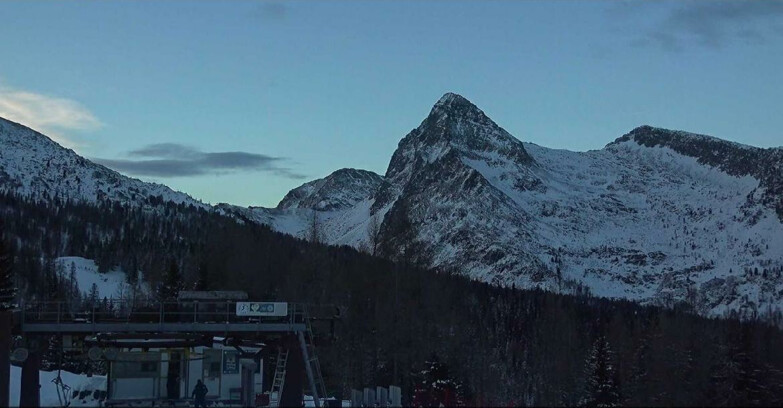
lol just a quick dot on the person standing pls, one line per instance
(200, 394)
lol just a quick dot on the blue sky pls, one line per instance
(295, 90)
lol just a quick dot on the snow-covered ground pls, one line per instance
(112, 284)
(83, 385)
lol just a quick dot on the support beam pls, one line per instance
(308, 368)
(6, 321)
(30, 395)
(291, 395)
(217, 329)
(153, 344)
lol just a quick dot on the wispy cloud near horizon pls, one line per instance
(50, 115)
(710, 24)
(177, 160)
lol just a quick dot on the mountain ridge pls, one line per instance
(555, 219)
(33, 164)
(656, 216)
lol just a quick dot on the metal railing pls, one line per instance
(145, 311)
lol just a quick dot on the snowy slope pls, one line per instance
(81, 383)
(340, 190)
(657, 216)
(339, 203)
(33, 165)
(112, 284)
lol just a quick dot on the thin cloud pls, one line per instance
(165, 150)
(50, 115)
(712, 24)
(272, 11)
(176, 160)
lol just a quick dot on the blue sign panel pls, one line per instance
(230, 362)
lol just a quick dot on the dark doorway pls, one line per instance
(173, 381)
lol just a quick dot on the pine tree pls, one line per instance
(202, 280)
(172, 283)
(94, 296)
(314, 229)
(602, 388)
(436, 387)
(738, 379)
(7, 288)
(73, 293)
(52, 290)
(374, 234)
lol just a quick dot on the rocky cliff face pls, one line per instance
(455, 129)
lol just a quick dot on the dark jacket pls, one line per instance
(200, 391)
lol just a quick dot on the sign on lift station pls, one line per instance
(262, 309)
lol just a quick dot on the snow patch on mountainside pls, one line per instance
(111, 284)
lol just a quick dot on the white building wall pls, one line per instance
(258, 383)
(123, 388)
(195, 370)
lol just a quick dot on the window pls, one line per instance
(212, 361)
(136, 365)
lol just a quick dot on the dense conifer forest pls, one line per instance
(441, 337)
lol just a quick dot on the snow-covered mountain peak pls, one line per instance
(452, 102)
(341, 189)
(456, 134)
(457, 122)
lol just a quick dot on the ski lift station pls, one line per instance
(246, 353)
(170, 372)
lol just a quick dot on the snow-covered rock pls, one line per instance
(340, 190)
